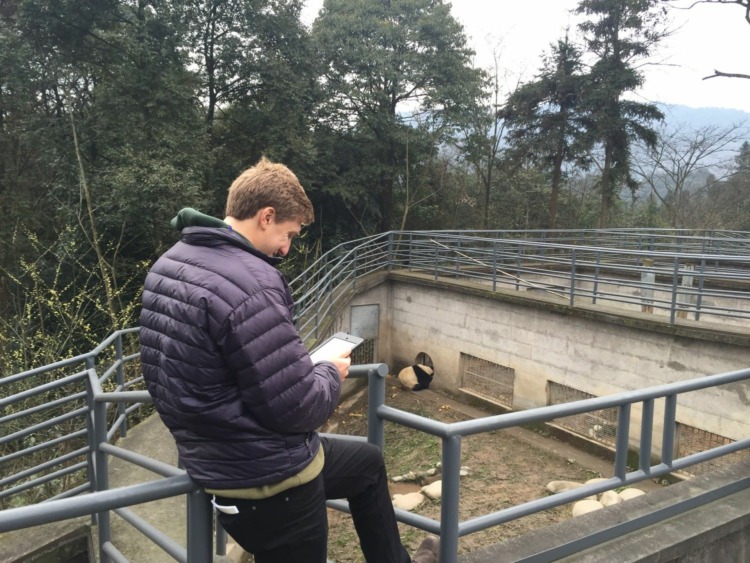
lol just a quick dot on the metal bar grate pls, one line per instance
(599, 425)
(488, 379)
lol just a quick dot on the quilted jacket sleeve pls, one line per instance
(277, 381)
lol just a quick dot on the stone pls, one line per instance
(627, 494)
(595, 480)
(608, 498)
(409, 501)
(586, 506)
(560, 486)
(433, 491)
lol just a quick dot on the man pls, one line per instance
(235, 385)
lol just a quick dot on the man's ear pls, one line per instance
(267, 215)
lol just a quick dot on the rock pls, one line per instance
(409, 501)
(560, 486)
(433, 491)
(627, 494)
(595, 480)
(431, 472)
(608, 498)
(397, 478)
(586, 506)
(463, 472)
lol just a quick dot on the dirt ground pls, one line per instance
(506, 468)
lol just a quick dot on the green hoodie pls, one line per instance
(189, 217)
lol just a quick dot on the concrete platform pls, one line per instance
(152, 439)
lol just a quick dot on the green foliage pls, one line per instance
(382, 61)
(547, 123)
(619, 33)
(57, 308)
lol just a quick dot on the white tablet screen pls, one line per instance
(331, 349)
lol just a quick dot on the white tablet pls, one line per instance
(336, 345)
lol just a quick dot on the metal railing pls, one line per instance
(671, 275)
(451, 528)
(95, 416)
(102, 501)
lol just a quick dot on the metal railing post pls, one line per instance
(221, 537)
(120, 376)
(390, 251)
(450, 499)
(698, 299)
(595, 289)
(376, 398)
(667, 442)
(91, 440)
(572, 277)
(494, 265)
(647, 427)
(621, 447)
(673, 306)
(102, 475)
(199, 527)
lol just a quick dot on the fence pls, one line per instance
(586, 274)
(671, 276)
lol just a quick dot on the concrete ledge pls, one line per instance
(68, 540)
(701, 330)
(718, 531)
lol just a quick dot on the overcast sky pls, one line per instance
(709, 37)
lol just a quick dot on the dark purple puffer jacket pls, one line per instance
(228, 372)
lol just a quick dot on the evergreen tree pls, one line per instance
(545, 120)
(619, 33)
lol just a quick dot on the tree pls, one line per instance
(731, 198)
(382, 61)
(481, 144)
(619, 34)
(545, 120)
(682, 161)
(255, 82)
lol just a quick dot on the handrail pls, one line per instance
(583, 261)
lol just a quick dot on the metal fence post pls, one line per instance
(199, 527)
(376, 397)
(699, 297)
(120, 376)
(675, 273)
(91, 440)
(595, 289)
(667, 442)
(450, 499)
(102, 475)
(494, 265)
(622, 438)
(572, 277)
(390, 251)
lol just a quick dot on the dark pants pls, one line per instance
(293, 525)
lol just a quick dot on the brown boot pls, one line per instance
(428, 551)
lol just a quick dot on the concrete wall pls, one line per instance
(594, 349)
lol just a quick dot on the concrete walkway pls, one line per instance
(152, 439)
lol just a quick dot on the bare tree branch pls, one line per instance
(719, 74)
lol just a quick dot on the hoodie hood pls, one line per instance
(189, 217)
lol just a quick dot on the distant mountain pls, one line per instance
(695, 118)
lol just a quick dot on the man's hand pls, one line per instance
(342, 364)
